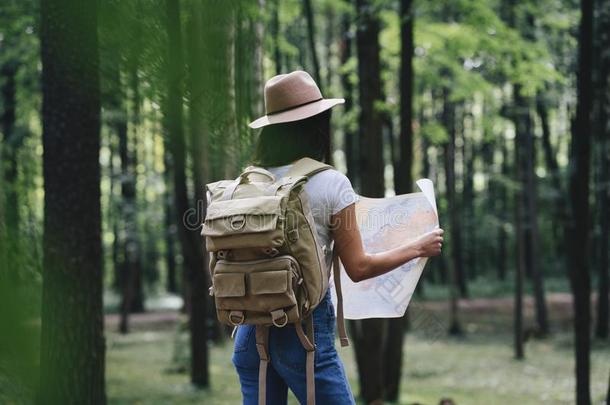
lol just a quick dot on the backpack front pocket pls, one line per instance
(257, 292)
(244, 223)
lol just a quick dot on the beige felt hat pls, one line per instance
(292, 97)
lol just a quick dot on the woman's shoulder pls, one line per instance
(332, 174)
(335, 188)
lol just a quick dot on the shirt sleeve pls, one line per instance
(342, 193)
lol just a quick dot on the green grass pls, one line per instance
(476, 369)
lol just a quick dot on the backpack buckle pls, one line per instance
(239, 315)
(237, 222)
(279, 318)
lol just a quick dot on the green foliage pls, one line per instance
(434, 132)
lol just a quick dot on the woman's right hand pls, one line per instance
(430, 244)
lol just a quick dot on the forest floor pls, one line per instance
(147, 366)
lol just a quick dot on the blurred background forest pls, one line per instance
(114, 114)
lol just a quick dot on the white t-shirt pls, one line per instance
(328, 193)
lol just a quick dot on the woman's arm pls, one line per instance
(360, 265)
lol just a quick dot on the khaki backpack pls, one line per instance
(267, 265)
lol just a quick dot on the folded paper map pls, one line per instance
(386, 223)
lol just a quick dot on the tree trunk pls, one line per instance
(350, 145)
(520, 245)
(448, 119)
(170, 226)
(129, 243)
(403, 183)
(198, 281)
(371, 120)
(311, 39)
(72, 338)
(577, 231)
(559, 203)
(403, 180)
(468, 214)
(370, 332)
(275, 34)
(531, 195)
(191, 251)
(601, 327)
(11, 143)
(330, 38)
(503, 209)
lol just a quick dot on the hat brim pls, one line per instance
(298, 113)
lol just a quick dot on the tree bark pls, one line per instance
(131, 275)
(601, 327)
(403, 183)
(403, 180)
(311, 39)
(531, 209)
(11, 143)
(448, 119)
(524, 139)
(559, 203)
(198, 281)
(170, 226)
(370, 332)
(521, 258)
(503, 199)
(371, 120)
(275, 34)
(175, 129)
(467, 200)
(72, 337)
(350, 145)
(577, 231)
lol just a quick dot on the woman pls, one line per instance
(297, 124)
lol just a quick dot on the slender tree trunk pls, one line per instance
(601, 327)
(448, 119)
(371, 120)
(256, 100)
(532, 223)
(559, 202)
(170, 228)
(330, 38)
(72, 336)
(521, 258)
(403, 183)
(131, 266)
(503, 209)
(311, 39)
(577, 231)
(8, 73)
(190, 250)
(350, 147)
(198, 281)
(275, 34)
(403, 180)
(470, 242)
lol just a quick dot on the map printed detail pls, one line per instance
(386, 223)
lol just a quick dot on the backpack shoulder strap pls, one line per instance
(262, 346)
(307, 167)
(337, 280)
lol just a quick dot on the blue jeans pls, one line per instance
(287, 366)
